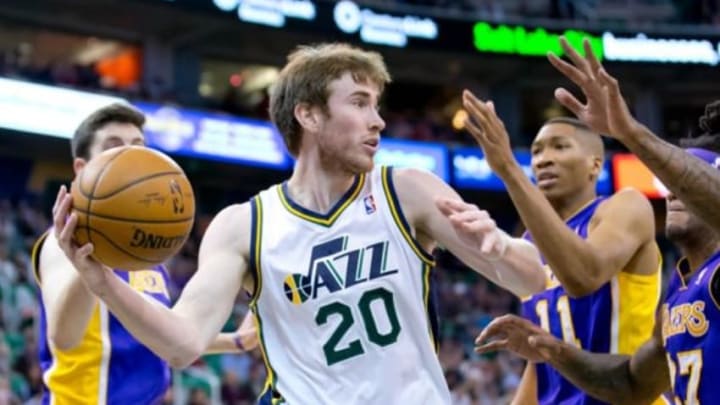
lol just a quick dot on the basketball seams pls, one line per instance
(135, 182)
(120, 248)
(142, 221)
(94, 186)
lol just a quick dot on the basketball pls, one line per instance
(135, 205)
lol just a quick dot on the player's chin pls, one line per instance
(363, 164)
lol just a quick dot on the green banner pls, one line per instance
(538, 42)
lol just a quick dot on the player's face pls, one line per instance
(560, 165)
(349, 134)
(680, 224)
(112, 135)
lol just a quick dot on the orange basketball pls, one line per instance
(135, 205)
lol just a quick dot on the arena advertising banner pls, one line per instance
(347, 20)
(214, 136)
(629, 171)
(429, 156)
(223, 137)
(46, 110)
(471, 170)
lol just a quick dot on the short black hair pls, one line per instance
(709, 123)
(85, 133)
(570, 121)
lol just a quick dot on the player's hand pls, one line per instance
(475, 227)
(489, 132)
(520, 336)
(247, 333)
(64, 223)
(605, 110)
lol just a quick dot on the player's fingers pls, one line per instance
(569, 101)
(493, 346)
(476, 131)
(83, 252)
(489, 243)
(65, 236)
(574, 56)
(475, 108)
(60, 196)
(60, 216)
(445, 206)
(571, 72)
(496, 328)
(593, 61)
(459, 205)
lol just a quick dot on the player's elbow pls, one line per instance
(63, 340)
(184, 356)
(581, 286)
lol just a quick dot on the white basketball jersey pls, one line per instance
(342, 300)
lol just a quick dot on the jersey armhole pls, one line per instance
(256, 220)
(399, 217)
(35, 256)
(714, 287)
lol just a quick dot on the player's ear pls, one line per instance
(78, 165)
(307, 116)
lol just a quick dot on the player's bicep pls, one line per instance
(209, 296)
(626, 223)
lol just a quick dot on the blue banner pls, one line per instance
(214, 136)
(471, 170)
(430, 156)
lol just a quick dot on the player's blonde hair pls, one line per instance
(306, 79)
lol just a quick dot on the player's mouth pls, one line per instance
(546, 179)
(371, 145)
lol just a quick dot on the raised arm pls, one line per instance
(689, 178)
(181, 334)
(469, 233)
(622, 225)
(616, 379)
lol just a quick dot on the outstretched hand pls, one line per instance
(520, 336)
(475, 227)
(64, 225)
(489, 132)
(605, 111)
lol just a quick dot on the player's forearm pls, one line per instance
(576, 272)
(693, 181)
(603, 376)
(166, 333)
(69, 314)
(520, 269)
(225, 343)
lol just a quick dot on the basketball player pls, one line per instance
(86, 354)
(606, 112)
(682, 351)
(336, 258)
(602, 296)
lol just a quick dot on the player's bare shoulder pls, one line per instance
(625, 203)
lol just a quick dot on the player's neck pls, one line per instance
(697, 252)
(317, 188)
(570, 205)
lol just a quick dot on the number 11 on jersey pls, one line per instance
(566, 322)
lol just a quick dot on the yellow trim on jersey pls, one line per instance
(256, 236)
(337, 211)
(397, 218)
(638, 296)
(35, 256)
(426, 301)
(74, 377)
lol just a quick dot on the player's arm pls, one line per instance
(178, 335)
(244, 339)
(693, 181)
(68, 303)
(526, 393)
(621, 226)
(512, 263)
(626, 224)
(617, 379)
